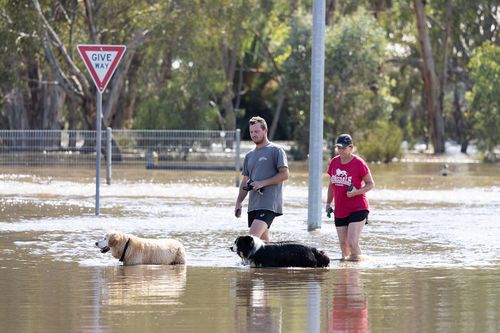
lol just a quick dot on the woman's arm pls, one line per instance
(369, 184)
(329, 197)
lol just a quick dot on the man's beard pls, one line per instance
(258, 141)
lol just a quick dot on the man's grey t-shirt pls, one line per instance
(263, 163)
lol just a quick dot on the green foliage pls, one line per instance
(18, 49)
(169, 111)
(356, 93)
(382, 143)
(182, 75)
(484, 98)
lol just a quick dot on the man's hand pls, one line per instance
(257, 185)
(251, 186)
(237, 210)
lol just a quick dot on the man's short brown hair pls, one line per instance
(260, 120)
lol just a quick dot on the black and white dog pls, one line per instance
(278, 254)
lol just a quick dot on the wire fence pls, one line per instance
(151, 149)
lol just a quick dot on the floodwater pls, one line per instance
(432, 248)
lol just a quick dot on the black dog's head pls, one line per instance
(246, 246)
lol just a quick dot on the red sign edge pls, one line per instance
(82, 50)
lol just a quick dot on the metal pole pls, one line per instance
(316, 116)
(313, 307)
(98, 150)
(109, 155)
(237, 158)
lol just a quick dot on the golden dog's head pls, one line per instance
(111, 240)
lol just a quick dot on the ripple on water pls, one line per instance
(408, 228)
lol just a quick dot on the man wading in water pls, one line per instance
(264, 169)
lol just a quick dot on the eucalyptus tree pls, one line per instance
(484, 98)
(247, 36)
(432, 87)
(454, 29)
(178, 73)
(262, 80)
(356, 94)
(31, 95)
(110, 22)
(472, 24)
(223, 51)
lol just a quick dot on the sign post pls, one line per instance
(101, 62)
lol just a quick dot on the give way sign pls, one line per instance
(101, 61)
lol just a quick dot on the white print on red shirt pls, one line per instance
(340, 178)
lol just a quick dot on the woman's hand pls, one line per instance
(352, 192)
(328, 210)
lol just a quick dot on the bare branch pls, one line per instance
(64, 53)
(91, 22)
(73, 90)
(120, 76)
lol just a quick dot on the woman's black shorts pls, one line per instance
(353, 217)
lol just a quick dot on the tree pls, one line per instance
(484, 98)
(355, 92)
(69, 75)
(31, 95)
(430, 78)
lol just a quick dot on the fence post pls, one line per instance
(237, 157)
(109, 155)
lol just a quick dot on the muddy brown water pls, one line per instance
(433, 259)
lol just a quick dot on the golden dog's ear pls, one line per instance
(113, 239)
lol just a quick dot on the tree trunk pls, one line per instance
(52, 99)
(17, 115)
(229, 62)
(444, 74)
(431, 83)
(460, 127)
(277, 113)
(15, 110)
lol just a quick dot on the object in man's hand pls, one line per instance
(249, 187)
(350, 188)
(237, 212)
(329, 212)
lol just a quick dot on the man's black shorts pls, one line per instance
(262, 215)
(353, 217)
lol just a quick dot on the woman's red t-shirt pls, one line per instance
(343, 175)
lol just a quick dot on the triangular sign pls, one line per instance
(101, 61)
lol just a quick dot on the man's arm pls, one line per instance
(241, 196)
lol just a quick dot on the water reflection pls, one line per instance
(349, 304)
(278, 300)
(255, 311)
(143, 285)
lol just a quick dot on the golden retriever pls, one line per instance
(133, 250)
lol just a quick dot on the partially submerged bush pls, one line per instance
(381, 144)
